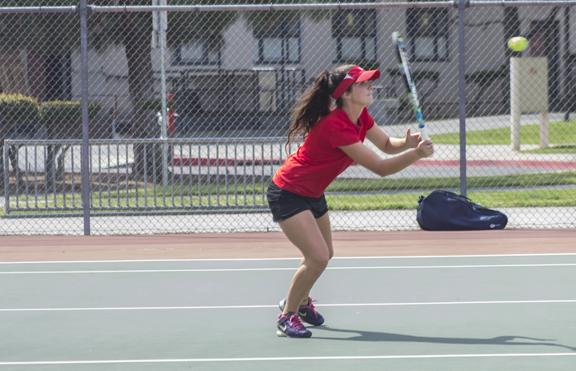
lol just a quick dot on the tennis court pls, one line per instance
(393, 300)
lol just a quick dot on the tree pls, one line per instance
(42, 35)
(132, 31)
(42, 38)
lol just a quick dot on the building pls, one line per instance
(250, 77)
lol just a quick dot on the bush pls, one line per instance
(63, 119)
(17, 111)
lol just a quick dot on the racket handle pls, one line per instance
(421, 124)
(424, 133)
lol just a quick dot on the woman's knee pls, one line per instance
(318, 261)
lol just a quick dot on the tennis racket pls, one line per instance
(404, 65)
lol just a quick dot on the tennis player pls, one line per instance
(332, 117)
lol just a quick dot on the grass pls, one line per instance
(512, 192)
(353, 194)
(343, 194)
(562, 137)
(524, 180)
(492, 199)
(359, 202)
(339, 185)
(568, 149)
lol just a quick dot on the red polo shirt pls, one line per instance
(311, 169)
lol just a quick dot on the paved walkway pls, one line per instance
(378, 220)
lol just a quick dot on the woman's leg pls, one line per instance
(306, 234)
(326, 229)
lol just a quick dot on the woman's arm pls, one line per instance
(383, 167)
(391, 145)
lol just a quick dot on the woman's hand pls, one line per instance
(412, 140)
(425, 148)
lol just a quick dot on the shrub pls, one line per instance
(63, 119)
(17, 111)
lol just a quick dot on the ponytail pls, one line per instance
(315, 102)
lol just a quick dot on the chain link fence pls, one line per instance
(166, 116)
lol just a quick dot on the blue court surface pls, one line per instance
(484, 312)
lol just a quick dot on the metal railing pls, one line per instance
(205, 175)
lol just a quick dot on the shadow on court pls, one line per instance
(390, 337)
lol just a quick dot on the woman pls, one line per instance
(333, 140)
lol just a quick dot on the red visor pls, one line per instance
(354, 75)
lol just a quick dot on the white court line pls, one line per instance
(193, 270)
(266, 306)
(280, 259)
(275, 359)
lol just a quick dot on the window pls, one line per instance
(355, 35)
(428, 30)
(278, 39)
(197, 52)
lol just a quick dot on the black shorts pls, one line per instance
(284, 204)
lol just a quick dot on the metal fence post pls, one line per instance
(85, 154)
(462, 91)
(6, 179)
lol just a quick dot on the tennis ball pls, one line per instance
(518, 43)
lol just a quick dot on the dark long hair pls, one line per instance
(315, 102)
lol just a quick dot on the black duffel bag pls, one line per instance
(448, 211)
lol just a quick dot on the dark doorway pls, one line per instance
(58, 70)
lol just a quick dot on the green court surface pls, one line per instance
(513, 312)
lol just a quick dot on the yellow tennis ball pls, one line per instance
(518, 43)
